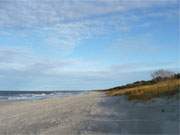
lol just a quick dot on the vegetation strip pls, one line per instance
(146, 90)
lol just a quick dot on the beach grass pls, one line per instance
(146, 91)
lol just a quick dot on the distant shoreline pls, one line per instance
(34, 95)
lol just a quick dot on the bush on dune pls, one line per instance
(164, 83)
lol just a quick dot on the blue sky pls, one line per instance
(91, 44)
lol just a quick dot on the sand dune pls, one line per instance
(88, 114)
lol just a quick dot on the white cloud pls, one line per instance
(52, 12)
(63, 24)
(21, 71)
(23, 60)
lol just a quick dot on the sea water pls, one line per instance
(33, 95)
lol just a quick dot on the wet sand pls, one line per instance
(89, 114)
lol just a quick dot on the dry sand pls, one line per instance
(89, 114)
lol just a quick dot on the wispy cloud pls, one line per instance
(22, 70)
(70, 22)
(23, 60)
(52, 12)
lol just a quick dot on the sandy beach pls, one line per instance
(89, 114)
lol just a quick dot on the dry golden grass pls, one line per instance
(146, 92)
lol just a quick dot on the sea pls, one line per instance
(34, 95)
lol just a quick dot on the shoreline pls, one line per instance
(87, 114)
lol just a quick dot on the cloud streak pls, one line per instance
(51, 12)
(21, 71)
(64, 24)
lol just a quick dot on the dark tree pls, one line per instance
(162, 74)
(177, 76)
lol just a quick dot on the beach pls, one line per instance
(91, 113)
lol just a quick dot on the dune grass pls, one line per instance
(148, 91)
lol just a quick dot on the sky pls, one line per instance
(85, 44)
